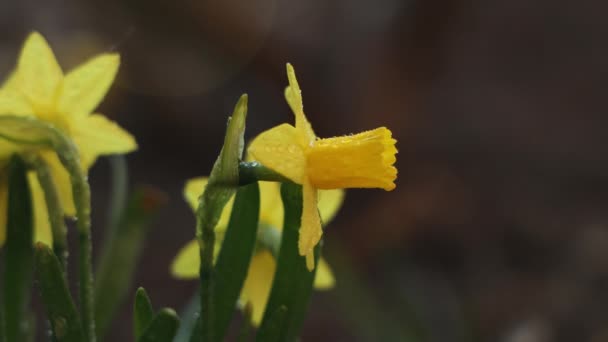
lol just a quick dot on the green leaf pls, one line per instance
(270, 331)
(143, 313)
(121, 253)
(60, 308)
(223, 181)
(234, 257)
(19, 253)
(162, 328)
(292, 284)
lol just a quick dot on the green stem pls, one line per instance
(250, 172)
(82, 201)
(207, 242)
(55, 211)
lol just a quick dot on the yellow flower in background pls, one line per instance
(258, 283)
(38, 88)
(363, 160)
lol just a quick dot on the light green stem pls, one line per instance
(82, 201)
(58, 228)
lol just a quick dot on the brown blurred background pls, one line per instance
(497, 230)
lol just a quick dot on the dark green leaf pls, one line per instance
(292, 284)
(60, 308)
(162, 328)
(271, 330)
(19, 254)
(143, 313)
(234, 257)
(246, 324)
(121, 253)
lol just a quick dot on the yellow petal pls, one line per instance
(187, 262)
(192, 191)
(12, 101)
(329, 203)
(279, 150)
(38, 73)
(324, 278)
(363, 160)
(3, 208)
(256, 288)
(95, 135)
(293, 96)
(310, 229)
(61, 178)
(271, 206)
(310, 260)
(84, 87)
(42, 225)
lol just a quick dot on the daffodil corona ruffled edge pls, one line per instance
(258, 282)
(39, 88)
(364, 160)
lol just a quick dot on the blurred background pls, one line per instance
(497, 230)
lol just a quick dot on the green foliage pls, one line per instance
(292, 284)
(143, 313)
(233, 259)
(19, 253)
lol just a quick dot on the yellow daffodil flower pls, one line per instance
(257, 286)
(38, 88)
(363, 160)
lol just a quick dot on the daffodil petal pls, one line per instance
(310, 229)
(95, 135)
(271, 206)
(329, 203)
(256, 288)
(192, 191)
(38, 73)
(324, 278)
(293, 96)
(61, 178)
(84, 87)
(3, 208)
(12, 102)
(42, 225)
(278, 149)
(187, 262)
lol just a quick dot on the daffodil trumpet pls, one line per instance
(363, 160)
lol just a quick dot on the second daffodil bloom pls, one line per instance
(38, 88)
(258, 283)
(363, 160)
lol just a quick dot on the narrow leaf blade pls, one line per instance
(143, 313)
(19, 254)
(234, 257)
(292, 284)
